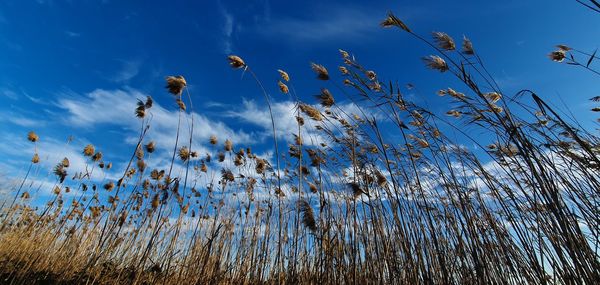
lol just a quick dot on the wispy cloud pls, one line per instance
(285, 121)
(254, 114)
(227, 30)
(33, 99)
(9, 94)
(116, 107)
(72, 34)
(129, 69)
(20, 120)
(343, 22)
(51, 152)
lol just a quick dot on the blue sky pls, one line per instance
(76, 67)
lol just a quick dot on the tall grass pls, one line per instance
(376, 193)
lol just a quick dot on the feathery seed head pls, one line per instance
(467, 46)
(313, 188)
(140, 110)
(381, 179)
(308, 216)
(122, 218)
(88, 150)
(417, 115)
(279, 192)
(497, 109)
(32, 136)
(294, 151)
(149, 102)
(344, 53)
(151, 147)
(436, 62)
(180, 104)
(297, 139)
(392, 20)
(444, 41)
(283, 88)
(371, 75)
(175, 84)
(213, 140)
(155, 201)
(310, 111)
(284, 75)
(453, 113)
(60, 172)
(423, 143)
(321, 71)
(157, 175)
(356, 189)
(236, 62)
(141, 165)
(375, 86)
(557, 56)
(109, 186)
(493, 96)
(238, 160)
(97, 156)
(228, 145)
(455, 94)
(343, 70)
(325, 98)
(36, 158)
(304, 170)
(509, 150)
(261, 165)
(227, 175)
(65, 162)
(184, 153)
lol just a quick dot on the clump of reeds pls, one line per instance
(381, 193)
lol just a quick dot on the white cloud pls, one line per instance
(104, 110)
(51, 152)
(331, 23)
(23, 122)
(227, 30)
(72, 34)
(284, 114)
(129, 70)
(116, 107)
(10, 94)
